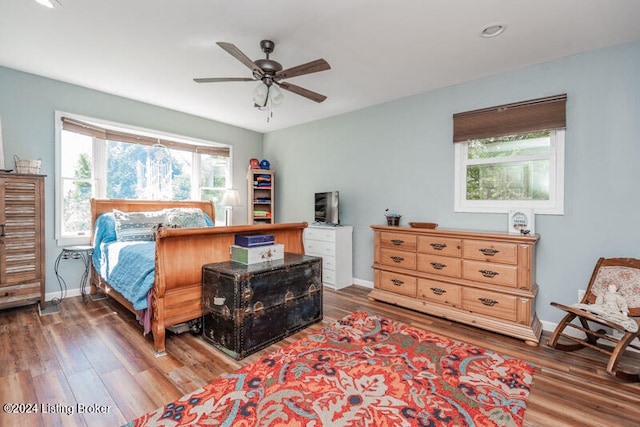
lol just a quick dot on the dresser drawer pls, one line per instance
(329, 276)
(398, 283)
(406, 242)
(440, 246)
(441, 265)
(19, 294)
(490, 303)
(506, 253)
(315, 233)
(397, 258)
(497, 274)
(442, 293)
(320, 248)
(328, 262)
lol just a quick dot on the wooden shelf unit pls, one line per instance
(482, 279)
(260, 197)
(22, 244)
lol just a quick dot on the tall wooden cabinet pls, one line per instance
(261, 188)
(478, 278)
(22, 243)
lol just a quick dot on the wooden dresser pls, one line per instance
(483, 279)
(22, 261)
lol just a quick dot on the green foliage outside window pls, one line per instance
(126, 164)
(504, 168)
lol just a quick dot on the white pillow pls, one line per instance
(137, 226)
(185, 217)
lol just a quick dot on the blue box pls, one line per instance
(253, 240)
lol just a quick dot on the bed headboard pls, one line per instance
(99, 206)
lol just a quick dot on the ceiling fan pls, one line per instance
(271, 75)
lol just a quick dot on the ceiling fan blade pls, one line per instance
(308, 68)
(237, 53)
(314, 96)
(223, 79)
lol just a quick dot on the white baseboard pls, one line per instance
(364, 283)
(57, 294)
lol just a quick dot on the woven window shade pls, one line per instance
(89, 129)
(510, 119)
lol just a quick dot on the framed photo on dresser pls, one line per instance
(521, 221)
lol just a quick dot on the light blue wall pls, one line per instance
(399, 155)
(27, 107)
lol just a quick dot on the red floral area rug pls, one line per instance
(363, 370)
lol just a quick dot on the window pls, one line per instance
(107, 160)
(511, 156)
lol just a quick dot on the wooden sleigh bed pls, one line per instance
(176, 294)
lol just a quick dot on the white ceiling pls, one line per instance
(150, 50)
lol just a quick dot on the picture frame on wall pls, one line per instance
(521, 221)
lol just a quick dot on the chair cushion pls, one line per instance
(626, 280)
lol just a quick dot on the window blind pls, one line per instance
(510, 119)
(93, 130)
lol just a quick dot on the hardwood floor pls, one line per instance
(93, 362)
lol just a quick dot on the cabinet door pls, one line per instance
(21, 245)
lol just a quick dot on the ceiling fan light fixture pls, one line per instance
(260, 94)
(275, 95)
(493, 30)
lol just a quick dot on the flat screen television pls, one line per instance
(327, 208)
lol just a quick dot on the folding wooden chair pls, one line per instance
(624, 273)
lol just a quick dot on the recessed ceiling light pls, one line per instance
(49, 3)
(493, 30)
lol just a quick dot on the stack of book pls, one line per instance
(256, 248)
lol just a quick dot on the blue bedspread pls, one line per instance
(127, 266)
(131, 269)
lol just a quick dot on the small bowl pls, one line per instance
(423, 225)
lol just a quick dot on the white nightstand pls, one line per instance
(334, 245)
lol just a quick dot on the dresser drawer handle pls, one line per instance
(397, 282)
(489, 251)
(397, 259)
(6, 294)
(438, 246)
(438, 266)
(438, 291)
(488, 301)
(2, 231)
(397, 242)
(488, 273)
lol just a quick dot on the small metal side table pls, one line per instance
(75, 252)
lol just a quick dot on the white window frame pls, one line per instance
(553, 206)
(99, 162)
